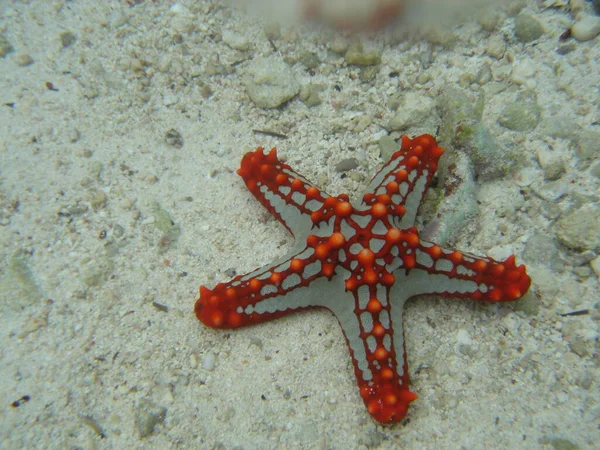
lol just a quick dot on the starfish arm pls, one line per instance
(435, 270)
(402, 182)
(290, 197)
(267, 293)
(373, 331)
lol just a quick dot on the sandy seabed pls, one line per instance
(121, 127)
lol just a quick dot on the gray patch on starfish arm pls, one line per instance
(290, 214)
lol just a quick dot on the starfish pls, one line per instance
(361, 262)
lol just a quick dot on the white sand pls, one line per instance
(79, 332)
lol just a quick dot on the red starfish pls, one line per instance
(361, 262)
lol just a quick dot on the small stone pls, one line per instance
(208, 361)
(272, 31)
(496, 46)
(174, 138)
(542, 247)
(552, 163)
(489, 19)
(564, 48)
(579, 229)
(563, 444)
(270, 82)
(414, 110)
(591, 414)
(346, 164)
(489, 159)
(552, 191)
(527, 28)
(595, 170)
(98, 199)
(310, 94)
(595, 264)
(338, 45)
(23, 60)
(236, 40)
(437, 35)
(522, 115)
(387, 147)
(423, 78)
(206, 91)
(67, 39)
(310, 60)
(588, 145)
(5, 47)
(457, 108)
(563, 127)
(73, 134)
(528, 304)
(170, 99)
(586, 29)
(575, 6)
(484, 75)
(464, 344)
(579, 346)
(361, 123)
(524, 73)
(368, 73)
(147, 416)
(356, 55)
(513, 7)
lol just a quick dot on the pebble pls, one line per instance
(387, 147)
(5, 46)
(489, 19)
(23, 60)
(490, 160)
(67, 38)
(496, 46)
(522, 115)
(464, 343)
(147, 416)
(310, 94)
(236, 40)
(346, 164)
(595, 264)
(553, 191)
(562, 126)
(356, 55)
(457, 107)
(270, 82)
(208, 361)
(588, 145)
(170, 99)
(524, 74)
(415, 109)
(563, 444)
(579, 229)
(586, 28)
(552, 163)
(543, 249)
(527, 28)
(174, 138)
(595, 170)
